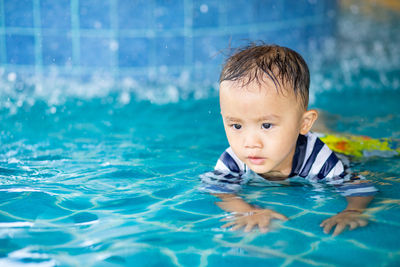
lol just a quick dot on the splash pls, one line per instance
(363, 56)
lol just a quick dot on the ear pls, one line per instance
(309, 117)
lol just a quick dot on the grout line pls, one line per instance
(188, 32)
(3, 46)
(222, 13)
(196, 32)
(38, 39)
(114, 37)
(75, 34)
(152, 38)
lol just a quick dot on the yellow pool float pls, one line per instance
(362, 146)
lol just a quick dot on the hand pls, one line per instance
(342, 220)
(248, 220)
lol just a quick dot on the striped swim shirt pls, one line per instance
(312, 160)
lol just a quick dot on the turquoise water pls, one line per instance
(100, 183)
(103, 176)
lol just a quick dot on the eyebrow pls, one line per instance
(263, 118)
(232, 119)
(269, 117)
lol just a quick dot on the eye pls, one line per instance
(266, 126)
(236, 126)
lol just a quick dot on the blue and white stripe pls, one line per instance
(313, 161)
(357, 189)
(229, 162)
(319, 162)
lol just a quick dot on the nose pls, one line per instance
(252, 140)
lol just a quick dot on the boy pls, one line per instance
(263, 101)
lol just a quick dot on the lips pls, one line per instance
(256, 160)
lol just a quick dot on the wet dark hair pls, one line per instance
(282, 65)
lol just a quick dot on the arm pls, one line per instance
(233, 203)
(358, 203)
(351, 216)
(246, 216)
(223, 183)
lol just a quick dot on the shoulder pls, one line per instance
(229, 162)
(320, 161)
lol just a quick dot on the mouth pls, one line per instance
(256, 160)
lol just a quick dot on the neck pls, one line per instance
(275, 176)
(283, 171)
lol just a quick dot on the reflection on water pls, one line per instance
(95, 186)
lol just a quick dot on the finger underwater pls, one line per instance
(328, 227)
(280, 217)
(228, 224)
(363, 223)
(339, 229)
(249, 227)
(227, 219)
(237, 227)
(353, 225)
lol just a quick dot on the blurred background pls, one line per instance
(150, 40)
(164, 51)
(175, 48)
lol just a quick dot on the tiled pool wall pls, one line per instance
(149, 40)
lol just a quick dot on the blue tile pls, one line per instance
(133, 52)
(170, 51)
(168, 14)
(214, 49)
(18, 13)
(283, 37)
(266, 11)
(96, 52)
(239, 40)
(205, 13)
(135, 14)
(55, 14)
(57, 50)
(20, 49)
(238, 13)
(94, 14)
(208, 49)
(296, 38)
(268, 37)
(253, 11)
(319, 31)
(300, 8)
(208, 75)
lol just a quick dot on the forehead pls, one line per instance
(256, 100)
(265, 89)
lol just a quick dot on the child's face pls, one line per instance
(262, 125)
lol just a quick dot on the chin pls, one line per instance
(258, 169)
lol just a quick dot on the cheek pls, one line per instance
(235, 142)
(233, 139)
(279, 143)
(273, 146)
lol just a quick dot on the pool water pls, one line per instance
(98, 183)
